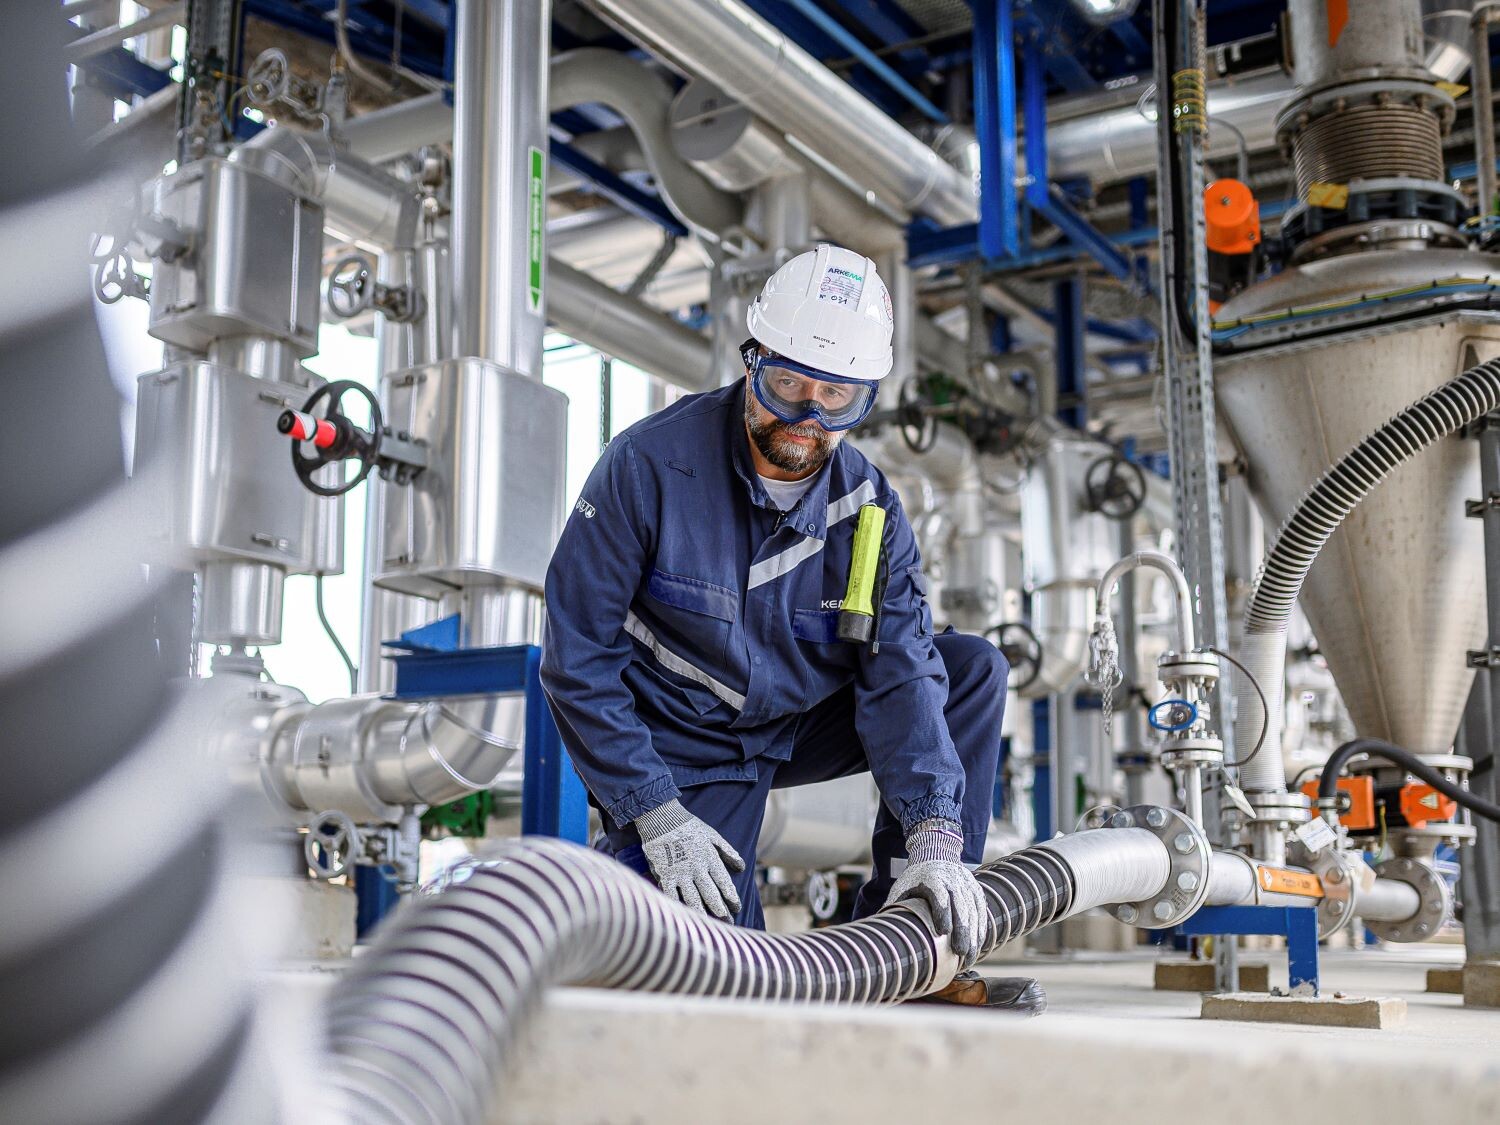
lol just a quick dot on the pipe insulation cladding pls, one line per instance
(1447, 410)
(421, 1024)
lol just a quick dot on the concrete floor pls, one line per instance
(1109, 1049)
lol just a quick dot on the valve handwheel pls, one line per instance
(332, 437)
(1116, 487)
(1022, 650)
(918, 430)
(351, 286)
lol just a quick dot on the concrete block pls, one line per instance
(1198, 976)
(1446, 980)
(1482, 984)
(1377, 1013)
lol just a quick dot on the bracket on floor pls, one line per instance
(1298, 924)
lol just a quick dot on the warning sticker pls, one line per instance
(842, 287)
(1335, 196)
(1285, 882)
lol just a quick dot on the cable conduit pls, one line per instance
(1346, 483)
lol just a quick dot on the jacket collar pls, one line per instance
(810, 515)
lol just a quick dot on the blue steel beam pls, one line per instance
(995, 127)
(123, 75)
(873, 62)
(1043, 196)
(618, 191)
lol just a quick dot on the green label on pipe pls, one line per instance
(537, 217)
(857, 612)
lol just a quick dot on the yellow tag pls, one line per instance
(1285, 882)
(1335, 196)
(1453, 89)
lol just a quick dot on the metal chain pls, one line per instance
(1104, 667)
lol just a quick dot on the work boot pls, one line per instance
(1021, 995)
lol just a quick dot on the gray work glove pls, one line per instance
(936, 874)
(688, 859)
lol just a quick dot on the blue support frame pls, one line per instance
(553, 799)
(1068, 323)
(995, 127)
(873, 62)
(1298, 924)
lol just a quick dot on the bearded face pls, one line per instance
(793, 449)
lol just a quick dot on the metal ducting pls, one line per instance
(726, 42)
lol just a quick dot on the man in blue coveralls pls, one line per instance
(692, 657)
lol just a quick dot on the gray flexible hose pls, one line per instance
(1306, 531)
(421, 1025)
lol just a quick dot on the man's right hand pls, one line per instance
(689, 860)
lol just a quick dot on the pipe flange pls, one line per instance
(1197, 750)
(1341, 96)
(1190, 854)
(1196, 665)
(1343, 875)
(1281, 808)
(1436, 901)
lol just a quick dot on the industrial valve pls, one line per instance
(352, 289)
(1115, 487)
(1022, 650)
(335, 439)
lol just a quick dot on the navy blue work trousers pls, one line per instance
(827, 747)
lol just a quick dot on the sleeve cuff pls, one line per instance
(642, 799)
(934, 806)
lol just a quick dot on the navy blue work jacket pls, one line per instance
(690, 624)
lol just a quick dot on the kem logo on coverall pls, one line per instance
(584, 508)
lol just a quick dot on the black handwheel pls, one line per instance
(918, 429)
(348, 441)
(1115, 487)
(1022, 650)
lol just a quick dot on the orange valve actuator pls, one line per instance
(1233, 217)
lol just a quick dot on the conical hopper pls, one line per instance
(1396, 598)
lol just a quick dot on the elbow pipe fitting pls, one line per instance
(1182, 595)
(370, 757)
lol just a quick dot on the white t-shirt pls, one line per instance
(784, 494)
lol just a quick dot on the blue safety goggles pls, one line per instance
(797, 393)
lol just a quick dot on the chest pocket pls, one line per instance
(698, 616)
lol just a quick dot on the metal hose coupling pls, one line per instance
(421, 1025)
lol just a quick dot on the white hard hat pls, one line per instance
(827, 308)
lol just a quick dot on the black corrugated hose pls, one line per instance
(1435, 416)
(1411, 763)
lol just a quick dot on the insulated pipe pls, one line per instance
(421, 1025)
(361, 201)
(726, 42)
(369, 757)
(499, 181)
(1313, 521)
(644, 99)
(1484, 110)
(624, 328)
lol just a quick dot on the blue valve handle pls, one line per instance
(1157, 724)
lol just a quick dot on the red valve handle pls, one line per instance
(305, 427)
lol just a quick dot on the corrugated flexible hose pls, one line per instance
(1447, 410)
(421, 1025)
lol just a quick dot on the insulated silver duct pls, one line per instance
(644, 99)
(624, 328)
(499, 181)
(726, 42)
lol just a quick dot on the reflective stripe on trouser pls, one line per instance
(827, 746)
